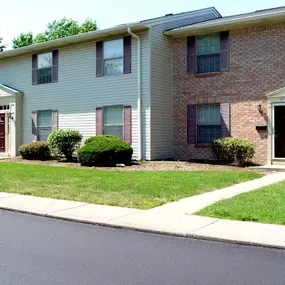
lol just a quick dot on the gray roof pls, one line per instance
(233, 21)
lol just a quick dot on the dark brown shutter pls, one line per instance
(127, 124)
(99, 121)
(34, 69)
(99, 59)
(54, 120)
(225, 119)
(191, 124)
(127, 54)
(34, 127)
(55, 66)
(224, 56)
(191, 55)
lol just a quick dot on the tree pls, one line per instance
(23, 40)
(55, 30)
(1, 45)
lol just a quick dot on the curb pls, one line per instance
(145, 230)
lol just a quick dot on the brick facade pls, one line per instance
(257, 67)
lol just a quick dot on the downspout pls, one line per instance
(139, 91)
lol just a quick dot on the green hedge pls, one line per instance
(227, 150)
(106, 150)
(35, 151)
(64, 142)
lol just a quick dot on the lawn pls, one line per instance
(266, 205)
(135, 189)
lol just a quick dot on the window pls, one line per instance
(208, 123)
(113, 121)
(113, 57)
(208, 53)
(5, 107)
(44, 72)
(44, 120)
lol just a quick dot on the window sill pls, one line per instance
(202, 145)
(209, 74)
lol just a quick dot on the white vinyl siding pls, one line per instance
(79, 91)
(162, 86)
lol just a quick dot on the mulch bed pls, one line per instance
(149, 165)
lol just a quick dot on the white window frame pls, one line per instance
(113, 125)
(43, 126)
(205, 125)
(106, 59)
(206, 54)
(44, 69)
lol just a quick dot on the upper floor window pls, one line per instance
(113, 57)
(44, 68)
(208, 53)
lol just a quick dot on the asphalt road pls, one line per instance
(36, 250)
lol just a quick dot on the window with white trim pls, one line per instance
(113, 121)
(113, 57)
(208, 53)
(208, 123)
(44, 72)
(44, 122)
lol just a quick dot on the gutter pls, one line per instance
(139, 91)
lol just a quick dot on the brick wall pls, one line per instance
(257, 67)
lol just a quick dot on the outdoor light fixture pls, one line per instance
(259, 108)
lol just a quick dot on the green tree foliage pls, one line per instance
(23, 40)
(55, 30)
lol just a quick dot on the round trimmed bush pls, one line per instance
(106, 150)
(64, 142)
(227, 150)
(35, 151)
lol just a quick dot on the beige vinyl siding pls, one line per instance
(161, 86)
(78, 91)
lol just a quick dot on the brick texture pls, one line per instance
(257, 67)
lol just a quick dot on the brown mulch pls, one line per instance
(149, 165)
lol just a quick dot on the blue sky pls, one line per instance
(28, 15)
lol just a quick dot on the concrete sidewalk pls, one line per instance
(174, 218)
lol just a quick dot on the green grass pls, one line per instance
(266, 205)
(137, 189)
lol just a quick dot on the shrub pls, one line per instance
(106, 150)
(227, 150)
(64, 142)
(95, 138)
(35, 151)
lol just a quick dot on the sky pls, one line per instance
(29, 15)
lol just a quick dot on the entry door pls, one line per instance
(2, 132)
(279, 131)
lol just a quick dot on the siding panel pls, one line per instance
(161, 87)
(78, 91)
